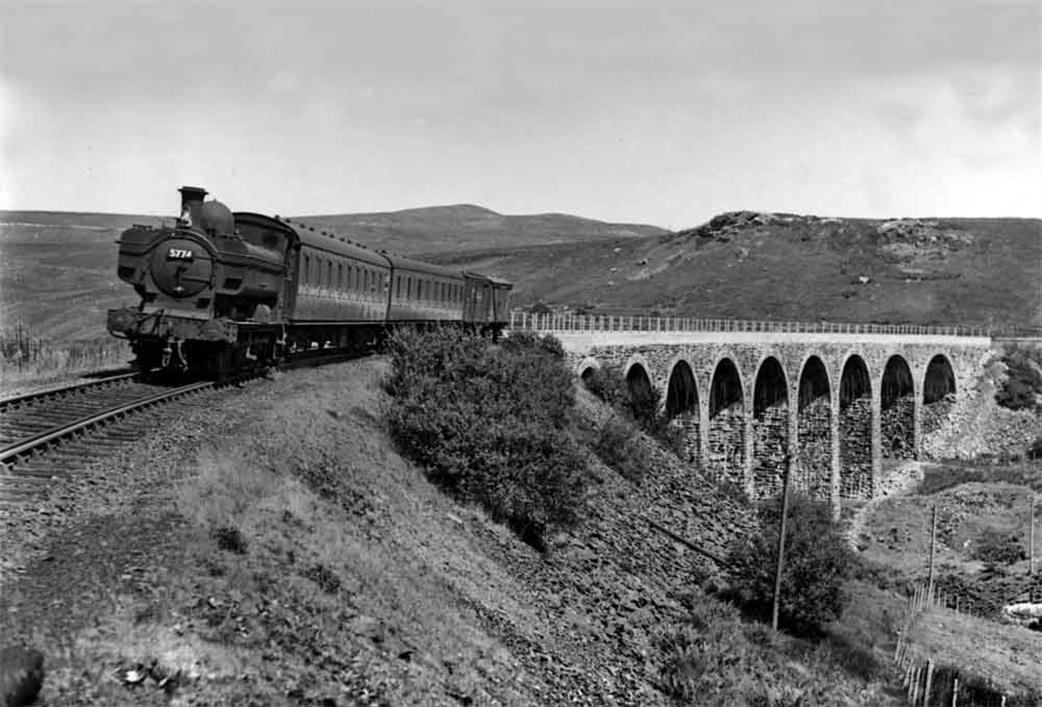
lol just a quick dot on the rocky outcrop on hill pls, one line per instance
(723, 226)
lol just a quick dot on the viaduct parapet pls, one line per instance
(838, 399)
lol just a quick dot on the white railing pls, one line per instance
(576, 323)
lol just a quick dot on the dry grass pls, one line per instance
(1010, 657)
(398, 588)
(27, 359)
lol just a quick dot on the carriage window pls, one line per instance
(329, 273)
(340, 276)
(307, 269)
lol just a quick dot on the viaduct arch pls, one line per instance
(844, 409)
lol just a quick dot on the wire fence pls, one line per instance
(577, 323)
(930, 683)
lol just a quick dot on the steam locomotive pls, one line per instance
(225, 292)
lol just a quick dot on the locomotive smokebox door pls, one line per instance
(181, 267)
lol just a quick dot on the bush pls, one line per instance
(618, 446)
(521, 341)
(817, 562)
(491, 423)
(229, 538)
(999, 548)
(1023, 382)
(610, 385)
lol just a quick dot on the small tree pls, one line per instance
(817, 562)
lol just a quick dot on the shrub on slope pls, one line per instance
(817, 562)
(490, 422)
(1023, 384)
(609, 385)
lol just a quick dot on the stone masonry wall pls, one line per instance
(855, 449)
(814, 455)
(770, 440)
(687, 422)
(725, 458)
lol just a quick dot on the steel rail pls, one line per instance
(17, 400)
(12, 452)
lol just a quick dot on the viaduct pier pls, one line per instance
(839, 399)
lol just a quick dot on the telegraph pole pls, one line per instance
(781, 541)
(1031, 536)
(933, 548)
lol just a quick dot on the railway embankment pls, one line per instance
(272, 547)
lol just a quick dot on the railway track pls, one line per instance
(54, 432)
(50, 433)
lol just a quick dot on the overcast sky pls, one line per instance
(665, 113)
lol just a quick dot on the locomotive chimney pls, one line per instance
(191, 204)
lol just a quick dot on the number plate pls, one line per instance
(179, 254)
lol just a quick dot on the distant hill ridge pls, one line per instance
(459, 227)
(430, 229)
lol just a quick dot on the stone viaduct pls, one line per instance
(838, 399)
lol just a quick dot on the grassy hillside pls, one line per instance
(777, 266)
(466, 227)
(59, 271)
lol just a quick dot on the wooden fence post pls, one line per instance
(929, 684)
